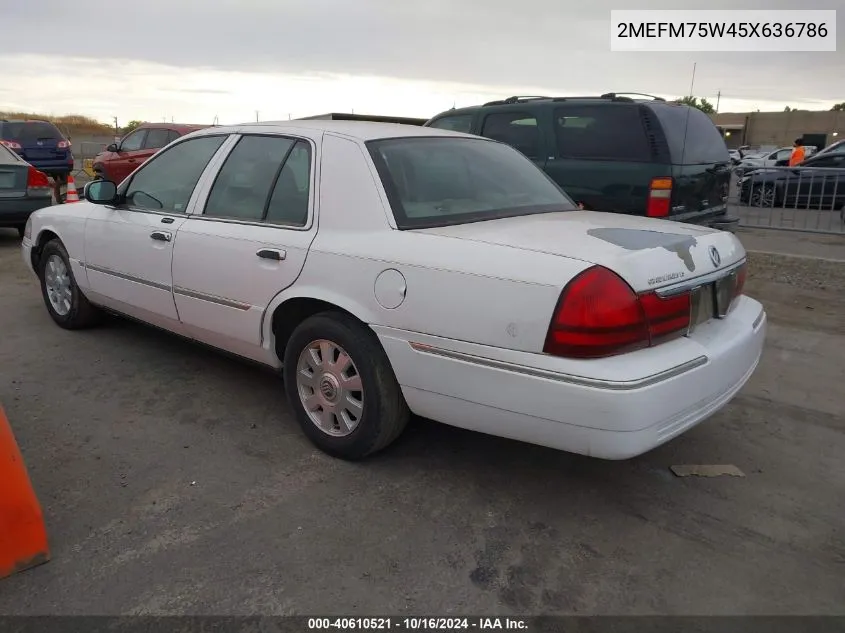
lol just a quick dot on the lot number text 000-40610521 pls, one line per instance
(723, 31)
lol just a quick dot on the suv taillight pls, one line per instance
(37, 183)
(659, 197)
(63, 145)
(11, 144)
(600, 315)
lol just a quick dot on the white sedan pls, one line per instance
(394, 270)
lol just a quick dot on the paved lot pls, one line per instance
(174, 481)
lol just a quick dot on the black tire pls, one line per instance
(385, 413)
(81, 314)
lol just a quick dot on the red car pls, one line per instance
(119, 160)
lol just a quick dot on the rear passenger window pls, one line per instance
(289, 203)
(601, 132)
(455, 122)
(172, 135)
(517, 129)
(243, 184)
(156, 139)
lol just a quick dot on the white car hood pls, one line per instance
(647, 253)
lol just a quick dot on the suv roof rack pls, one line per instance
(516, 99)
(620, 95)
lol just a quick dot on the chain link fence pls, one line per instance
(805, 199)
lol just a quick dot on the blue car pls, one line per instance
(41, 144)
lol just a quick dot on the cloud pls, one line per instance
(145, 55)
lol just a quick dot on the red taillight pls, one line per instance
(600, 315)
(659, 198)
(11, 144)
(37, 183)
(63, 144)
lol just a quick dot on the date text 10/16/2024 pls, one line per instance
(418, 624)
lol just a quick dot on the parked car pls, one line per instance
(120, 159)
(735, 156)
(39, 143)
(643, 157)
(23, 189)
(394, 269)
(837, 146)
(816, 183)
(764, 159)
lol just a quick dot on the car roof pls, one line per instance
(359, 130)
(180, 127)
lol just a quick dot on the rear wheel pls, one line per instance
(66, 304)
(342, 388)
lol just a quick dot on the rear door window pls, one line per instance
(454, 122)
(692, 137)
(601, 132)
(156, 139)
(517, 129)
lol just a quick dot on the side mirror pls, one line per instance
(112, 148)
(100, 192)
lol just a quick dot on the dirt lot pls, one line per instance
(174, 481)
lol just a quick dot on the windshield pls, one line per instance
(437, 181)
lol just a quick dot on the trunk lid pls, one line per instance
(647, 253)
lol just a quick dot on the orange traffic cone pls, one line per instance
(72, 194)
(23, 536)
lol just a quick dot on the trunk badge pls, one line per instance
(714, 256)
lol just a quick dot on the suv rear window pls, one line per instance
(692, 137)
(29, 131)
(442, 181)
(601, 132)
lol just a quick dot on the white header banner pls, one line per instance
(723, 31)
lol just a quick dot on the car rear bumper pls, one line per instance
(717, 219)
(613, 408)
(16, 211)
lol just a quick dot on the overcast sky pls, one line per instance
(193, 60)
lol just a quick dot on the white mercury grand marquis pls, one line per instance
(394, 270)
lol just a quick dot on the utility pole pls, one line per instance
(116, 128)
(718, 98)
(256, 116)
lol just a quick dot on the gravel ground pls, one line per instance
(174, 481)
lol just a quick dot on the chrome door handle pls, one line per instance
(271, 253)
(161, 236)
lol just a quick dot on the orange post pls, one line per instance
(23, 535)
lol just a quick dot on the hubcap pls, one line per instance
(763, 197)
(58, 285)
(330, 388)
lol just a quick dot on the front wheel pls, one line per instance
(763, 196)
(342, 388)
(66, 304)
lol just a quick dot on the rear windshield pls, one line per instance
(8, 157)
(29, 131)
(692, 137)
(442, 181)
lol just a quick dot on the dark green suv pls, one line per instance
(617, 153)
